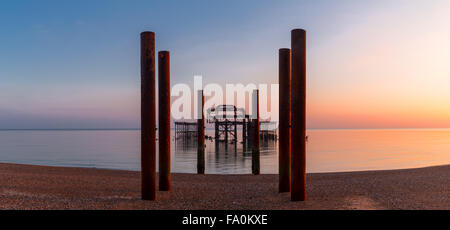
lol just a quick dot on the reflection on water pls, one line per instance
(224, 158)
(327, 150)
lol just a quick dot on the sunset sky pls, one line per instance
(370, 64)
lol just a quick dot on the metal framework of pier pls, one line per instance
(227, 120)
(185, 129)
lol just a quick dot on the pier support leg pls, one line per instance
(250, 133)
(298, 113)
(216, 130)
(226, 131)
(284, 157)
(235, 131)
(201, 135)
(256, 137)
(148, 117)
(235, 125)
(244, 131)
(164, 119)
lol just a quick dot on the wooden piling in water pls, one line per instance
(284, 157)
(244, 130)
(250, 133)
(216, 132)
(235, 125)
(226, 131)
(148, 117)
(298, 115)
(256, 134)
(164, 119)
(201, 135)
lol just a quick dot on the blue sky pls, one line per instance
(75, 64)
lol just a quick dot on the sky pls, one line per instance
(370, 64)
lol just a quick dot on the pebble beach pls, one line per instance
(29, 187)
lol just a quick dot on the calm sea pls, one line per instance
(327, 150)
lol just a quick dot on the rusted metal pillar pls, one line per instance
(148, 117)
(164, 119)
(216, 129)
(298, 115)
(250, 133)
(256, 133)
(244, 130)
(226, 130)
(235, 125)
(201, 135)
(284, 156)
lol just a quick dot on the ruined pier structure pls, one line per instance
(292, 157)
(227, 120)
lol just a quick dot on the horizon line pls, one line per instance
(172, 128)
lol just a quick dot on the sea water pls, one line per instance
(327, 150)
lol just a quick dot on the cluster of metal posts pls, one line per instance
(292, 104)
(292, 108)
(148, 118)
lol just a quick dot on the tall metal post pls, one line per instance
(256, 133)
(298, 113)
(244, 130)
(201, 135)
(148, 117)
(164, 119)
(216, 130)
(284, 156)
(235, 125)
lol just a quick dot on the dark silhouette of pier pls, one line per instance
(228, 121)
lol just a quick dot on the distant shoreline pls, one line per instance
(45, 187)
(69, 129)
(224, 174)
